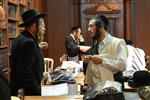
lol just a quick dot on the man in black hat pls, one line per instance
(139, 79)
(26, 60)
(107, 55)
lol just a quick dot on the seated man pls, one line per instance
(135, 61)
(107, 55)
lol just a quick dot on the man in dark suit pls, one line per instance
(26, 60)
(72, 42)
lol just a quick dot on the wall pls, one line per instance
(141, 24)
(62, 15)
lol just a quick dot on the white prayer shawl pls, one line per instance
(136, 59)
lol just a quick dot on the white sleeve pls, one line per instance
(119, 64)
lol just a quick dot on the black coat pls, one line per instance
(27, 65)
(4, 87)
(72, 48)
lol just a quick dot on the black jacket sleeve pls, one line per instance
(72, 48)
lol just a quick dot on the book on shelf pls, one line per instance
(3, 59)
(1, 37)
(12, 28)
(22, 9)
(12, 11)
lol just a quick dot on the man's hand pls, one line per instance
(87, 58)
(84, 48)
(96, 60)
(80, 37)
(43, 45)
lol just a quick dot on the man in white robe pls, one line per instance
(111, 54)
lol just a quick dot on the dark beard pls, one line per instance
(97, 35)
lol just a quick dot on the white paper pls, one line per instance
(73, 67)
(55, 90)
(85, 47)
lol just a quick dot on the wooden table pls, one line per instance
(128, 88)
(79, 81)
(130, 92)
(76, 97)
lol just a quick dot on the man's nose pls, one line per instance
(89, 29)
(44, 29)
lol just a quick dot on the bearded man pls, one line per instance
(26, 60)
(108, 54)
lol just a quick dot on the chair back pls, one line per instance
(48, 64)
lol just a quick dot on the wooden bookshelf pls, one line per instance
(15, 10)
(10, 30)
(4, 58)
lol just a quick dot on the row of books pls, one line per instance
(12, 28)
(12, 10)
(3, 59)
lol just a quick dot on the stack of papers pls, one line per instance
(54, 90)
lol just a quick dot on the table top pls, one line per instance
(128, 88)
(71, 97)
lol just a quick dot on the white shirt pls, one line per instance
(114, 53)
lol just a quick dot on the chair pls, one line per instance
(48, 67)
(48, 64)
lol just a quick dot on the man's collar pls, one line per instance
(104, 41)
(28, 34)
(73, 36)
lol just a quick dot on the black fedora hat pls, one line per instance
(140, 78)
(30, 16)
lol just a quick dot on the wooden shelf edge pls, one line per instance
(3, 46)
(12, 37)
(12, 2)
(101, 12)
(13, 19)
(23, 4)
(3, 27)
